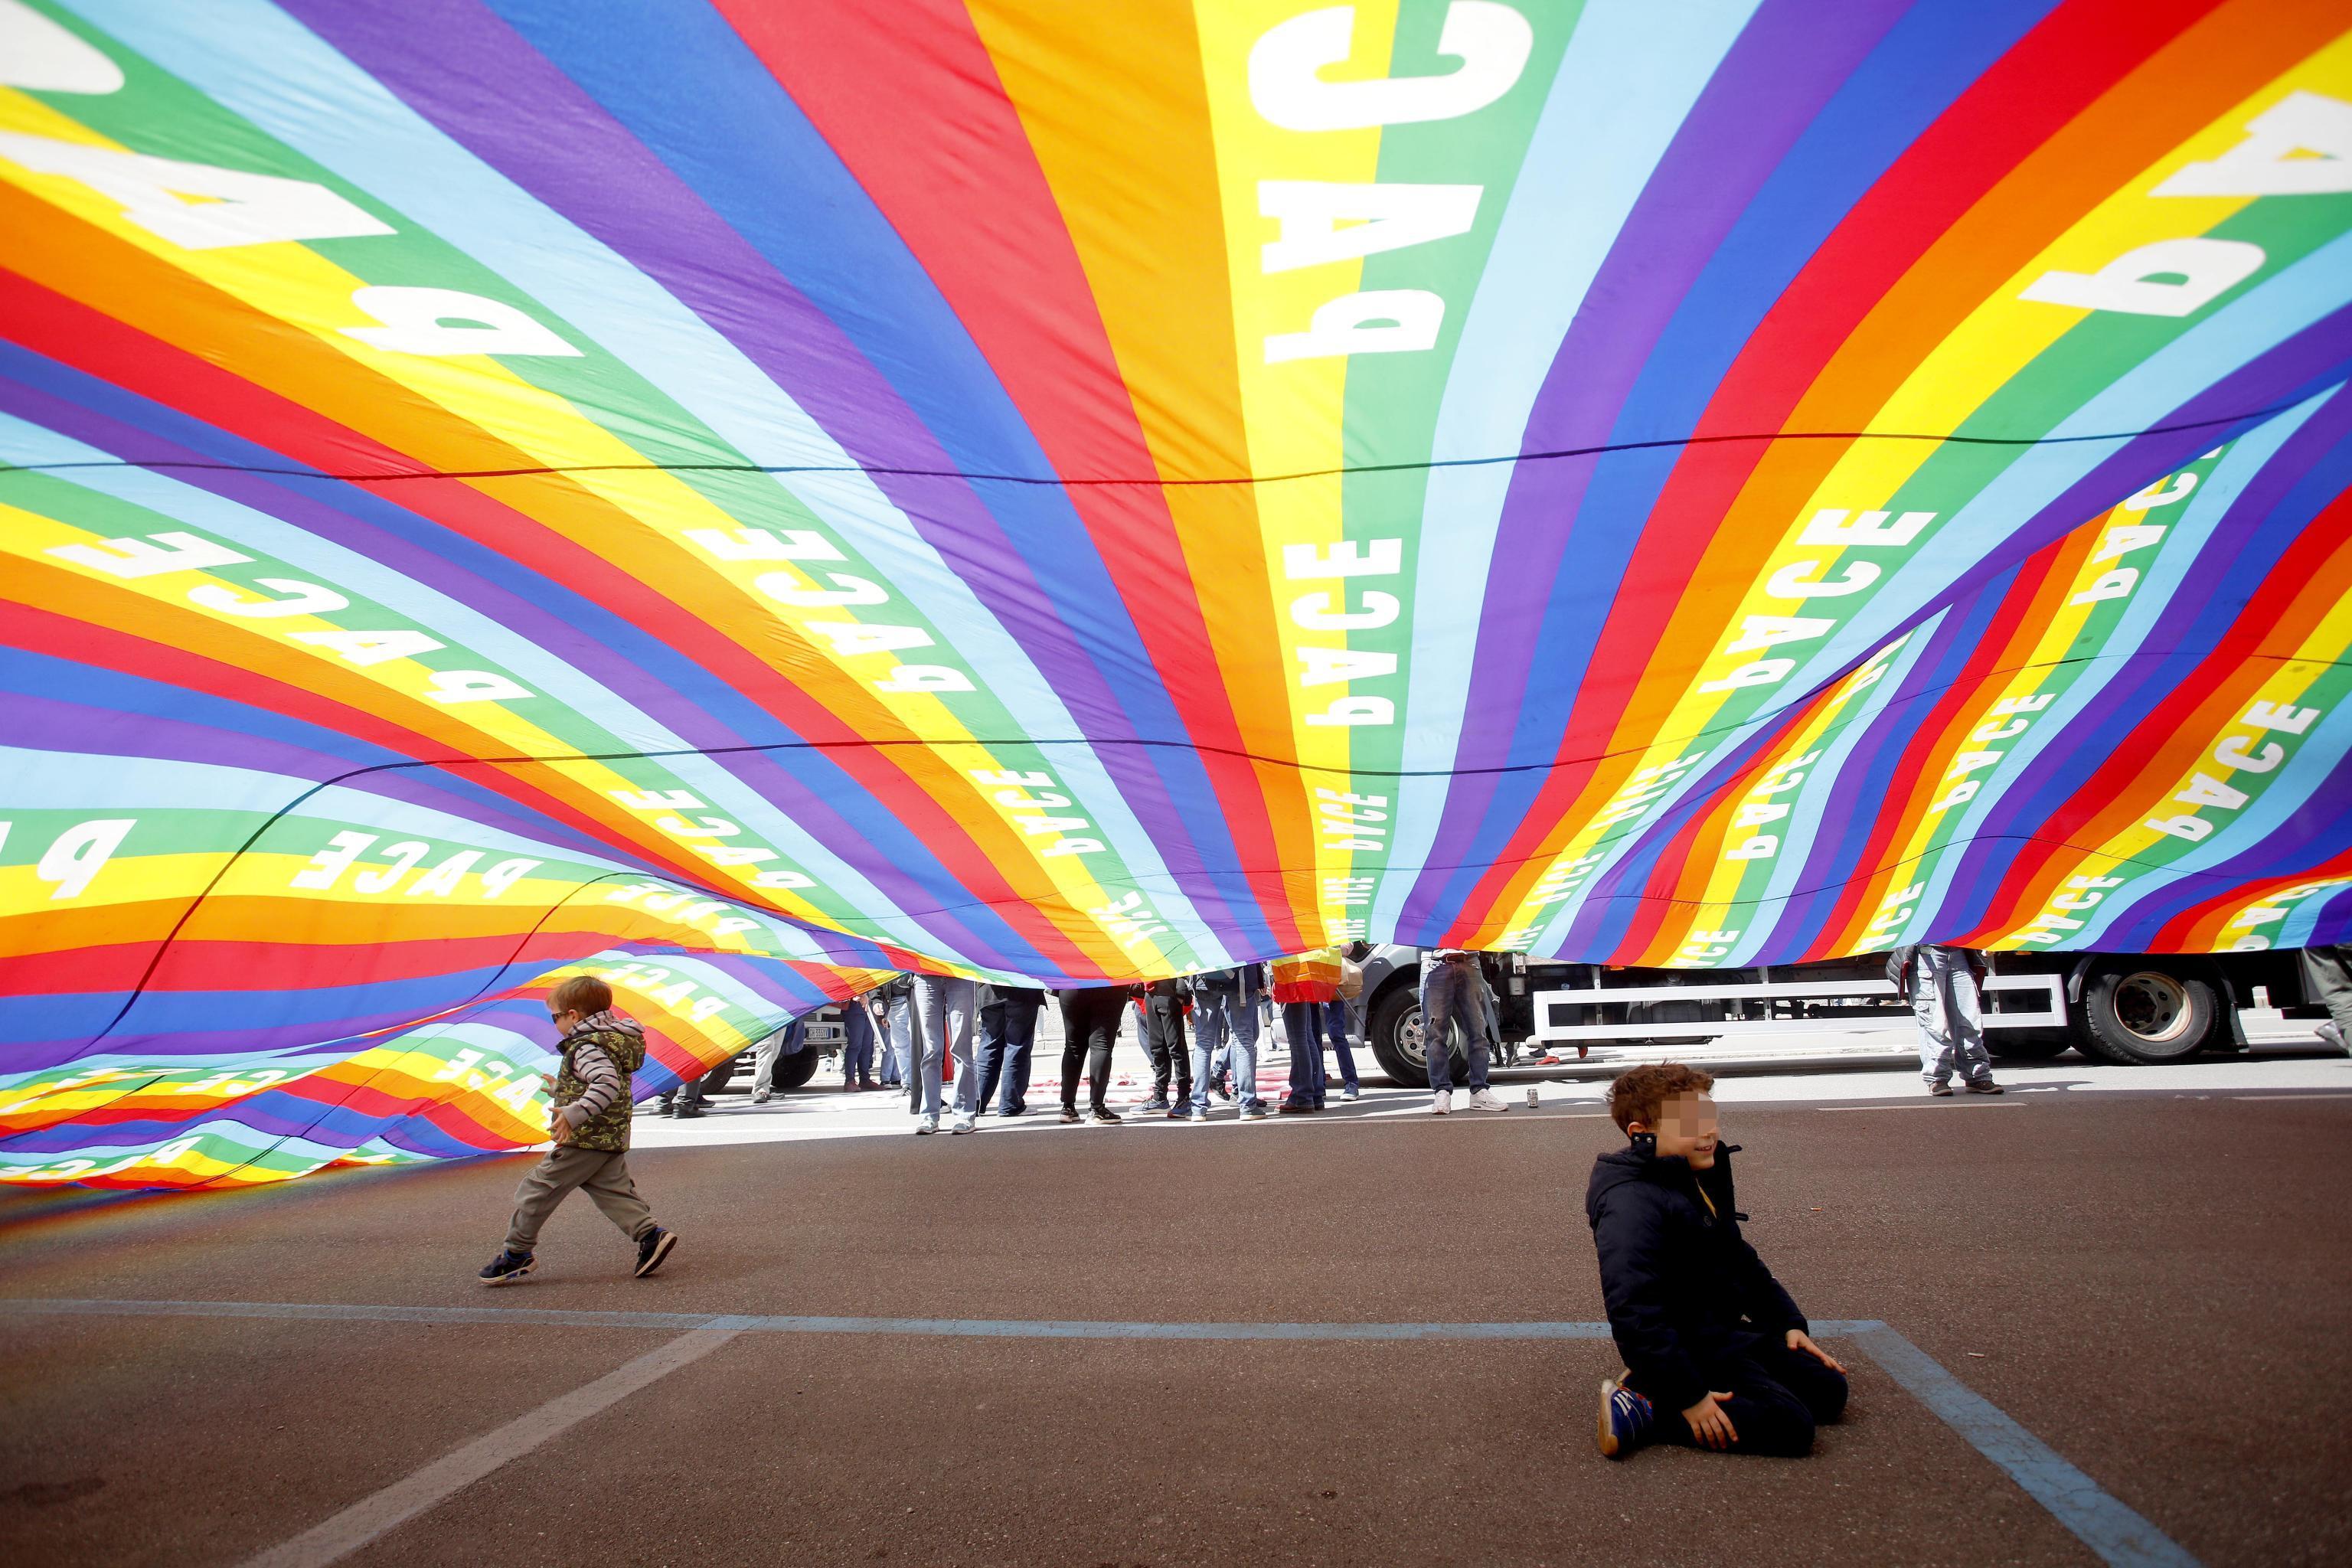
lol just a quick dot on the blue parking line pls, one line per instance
(2118, 1535)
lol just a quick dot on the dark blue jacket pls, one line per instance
(1685, 1292)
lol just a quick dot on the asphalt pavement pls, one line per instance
(1159, 1343)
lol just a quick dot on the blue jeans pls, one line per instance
(856, 1043)
(1452, 995)
(1223, 1025)
(1008, 1033)
(1334, 1029)
(945, 1012)
(899, 1036)
(1302, 1024)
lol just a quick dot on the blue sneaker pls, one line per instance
(507, 1267)
(654, 1250)
(1625, 1418)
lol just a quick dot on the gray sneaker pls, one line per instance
(962, 1124)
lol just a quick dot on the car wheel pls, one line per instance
(1395, 1038)
(2147, 1015)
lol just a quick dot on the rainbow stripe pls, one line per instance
(489, 486)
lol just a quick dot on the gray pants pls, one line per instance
(1951, 1030)
(764, 1062)
(945, 1012)
(604, 1172)
(2327, 975)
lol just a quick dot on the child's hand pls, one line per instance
(1709, 1425)
(1801, 1341)
(557, 1127)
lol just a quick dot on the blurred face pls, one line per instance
(1686, 1127)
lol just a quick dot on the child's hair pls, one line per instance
(1639, 1093)
(582, 994)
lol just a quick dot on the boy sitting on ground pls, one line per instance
(1718, 1355)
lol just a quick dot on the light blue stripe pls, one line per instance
(1623, 88)
(2117, 1534)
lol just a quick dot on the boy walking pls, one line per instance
(590, 1126)
(1717, 1355)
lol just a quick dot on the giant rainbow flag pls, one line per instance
(744, 495)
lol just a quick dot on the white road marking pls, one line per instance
(371, 1517)
(1925, 1105)
(2319, 1094)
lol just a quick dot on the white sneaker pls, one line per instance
(1487, 1100)
(1441, 1103)
(962, 1124)
(925, 1124)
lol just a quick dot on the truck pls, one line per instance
(2121, 1007)
(824, 1033)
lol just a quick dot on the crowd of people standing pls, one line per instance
(962, 1049)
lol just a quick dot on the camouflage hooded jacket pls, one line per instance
(592, 1089)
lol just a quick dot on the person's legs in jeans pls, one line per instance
(945, 1006)
(1020, 1045)
(987, 1048)
(906, 1047)
(1222, 1016)
(1966, 1021)
(960, 1001)
(1448, 999)
(857, 1047)
(1300, 1028)
(926, 1064)
(1935, 1034)
(1335, 1025)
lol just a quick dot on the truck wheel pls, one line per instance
(2147, 1015)
(716, 1080)
(795, 1071)
(2029, 1044)
(1394, 1037)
